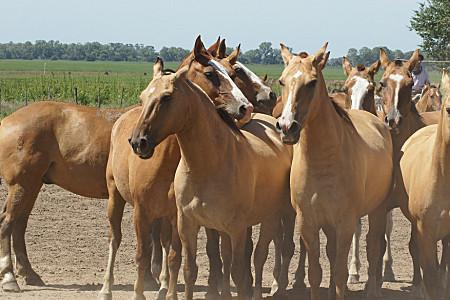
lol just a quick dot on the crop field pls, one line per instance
(105, 84)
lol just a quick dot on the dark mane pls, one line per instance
(398, 63)
(342, 113)
(229, 121)
(360, 67)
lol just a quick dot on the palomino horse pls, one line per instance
(403, 119)
(224, 201)
(360, 91)
(146, 184)
(41, 145)
(425, 168)
(430, 99)
(341, 170)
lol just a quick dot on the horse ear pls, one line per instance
(222, 50)
(200, 53)
(324, 61)
(384, 59)
(232, 58)
(264, 78)
(425, 88)
(285, 54)
(321, 54)
(158, 67)
(412, 62)
(445, 80)
(214, 47)
(346, 65)
(373, 69)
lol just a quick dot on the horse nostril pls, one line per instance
(448, 109)
(129, 141)
(143, 143)
(272, 96)
(294, 127)
(277, 126)
(386, 120)
(242, 110)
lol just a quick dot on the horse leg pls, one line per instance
(428, 262)
(355, 263)
(248, 259)
(165, 235)
(287, 251)
(215, 263)
(225, 249)
(310, 235)
(143, 227)
(388, 274)
(23, 265)
(300, 274)
(238, 267)
(156, 262)
(414, 251)
(269, 229)
(278, 244)
(443, 266)
(344, 233)
(174, 260)
(19, 202)
(375, 241)
(331, 254)
(115, 209)
(188, 231)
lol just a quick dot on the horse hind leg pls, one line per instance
(116, 206)
(174, 261)
(388, 274)
(215, 277)
(19, 203)
(355, 263)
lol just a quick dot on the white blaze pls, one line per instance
(397, 78)
(359, 91)
(287, 116)
(256, 80)
(235, 91)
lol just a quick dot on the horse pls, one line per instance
(146, 184)
(40, 144)
(403, 120)
(430, 99)
(341, 170)
(223, 201)
(425, 166)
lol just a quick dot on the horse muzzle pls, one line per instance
(142, 146)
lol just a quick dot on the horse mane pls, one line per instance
(229, 121)
(168, 71)
(360, 67)
(342, 113)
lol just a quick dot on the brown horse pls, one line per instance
(257, 91)
(430, 99)
(146, 184)
(404, 120)
(223, 201)
(341, 170)
(425, 168)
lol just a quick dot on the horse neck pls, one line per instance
(422, 104)
(205, 140)
(441, 151)
(321, 137)
(369, 105)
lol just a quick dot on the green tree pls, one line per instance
(432, 23)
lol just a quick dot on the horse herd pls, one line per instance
(211, 146)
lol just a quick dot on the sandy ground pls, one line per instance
(67, 242)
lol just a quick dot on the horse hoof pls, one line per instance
(389, 276)
(11, 287)
(162, 293)
(34, 280)
(353, 279)
(299, 285)
(226, 296)
(104, 296)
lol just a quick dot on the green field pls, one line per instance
(105, 84)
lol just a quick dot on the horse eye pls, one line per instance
(208, 74)
(238, 70)
(165, 98)
(281, 82)
(382, 83)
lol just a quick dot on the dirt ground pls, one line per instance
(67, 241)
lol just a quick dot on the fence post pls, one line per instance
(98, 98)
(0, 101)
(121, 96)
(76, 95)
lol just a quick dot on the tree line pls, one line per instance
(93, 51)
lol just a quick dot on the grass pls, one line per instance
(109, 84)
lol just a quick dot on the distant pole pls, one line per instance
(76, 95)
(45, 66)
(0, 101)
(98, 97)
(121, 96)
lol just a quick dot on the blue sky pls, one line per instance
(303, 25)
